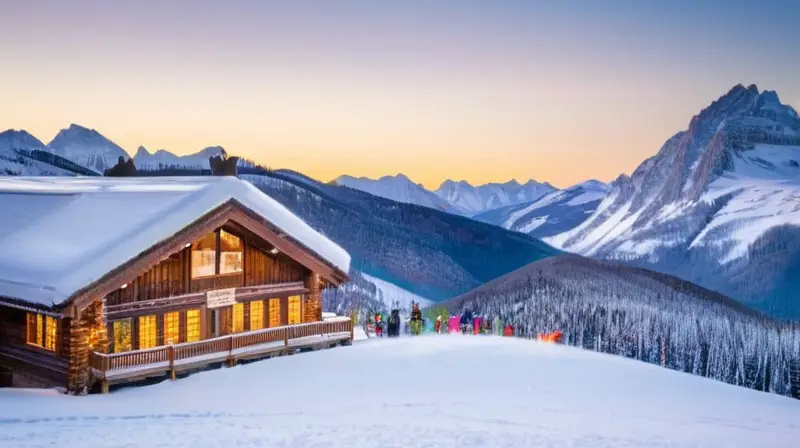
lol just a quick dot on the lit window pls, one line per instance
(295, 310)
(192, 325)
(147, 332)
(41, 331)
(274, 313)
(238, 317)
(256, 315)
(122, 336)
(172, 331)
(204, 256)
(34, 329)
(230, 253)
(51, 331)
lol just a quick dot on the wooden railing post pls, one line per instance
(231, 361)
(171, 350)
(352, 325)
(286, 341)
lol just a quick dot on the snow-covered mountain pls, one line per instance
(457, 197)
(399, 188)
(551, 214)
(18, 156)
(719, 205)
(144, 160)
(480, 198)
(87, 148)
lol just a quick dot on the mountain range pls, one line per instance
(459, 197)
(24, 154)
(717, 205)
(554, 213)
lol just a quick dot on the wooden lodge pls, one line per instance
(214, 272)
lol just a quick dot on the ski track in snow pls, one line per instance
(431, 391)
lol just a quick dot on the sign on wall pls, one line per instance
(220, 297)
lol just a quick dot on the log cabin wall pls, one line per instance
(261, 268)
(32, 346)
(168, 278)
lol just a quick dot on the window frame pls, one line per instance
(46, 338)
(193, 322)
(147, 322)
(115, 324)
(217, 254)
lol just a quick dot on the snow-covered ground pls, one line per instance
(431, 391)
(392, 293)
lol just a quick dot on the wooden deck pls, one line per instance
(172, 360)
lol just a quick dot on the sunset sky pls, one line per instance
(558, 91)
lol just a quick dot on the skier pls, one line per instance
(476, 325)
(393, 329)
(438, 325)
(509, 330)
(453, 325)
(497, 326)
(378, 325)
(416, 320)
(466, 320)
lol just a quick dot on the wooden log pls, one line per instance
(172, 362)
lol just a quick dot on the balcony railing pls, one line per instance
(222, 281)
(170, 358)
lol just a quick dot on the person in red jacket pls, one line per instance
(509, 330)
(378, 325)
(438, 325)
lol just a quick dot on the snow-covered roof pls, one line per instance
(60, 234)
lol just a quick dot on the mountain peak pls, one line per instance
(141, 151)
(20, 139)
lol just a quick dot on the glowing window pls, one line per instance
(34, 329)
(256, 315)
(274, 313)
(192, 325)
(147, 332)
(204, 256)
(122, 336)
(295, 310)
(238, 317)
(172, 330)
(230, 253)
(51, 332)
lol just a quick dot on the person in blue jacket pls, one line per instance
(466, 320)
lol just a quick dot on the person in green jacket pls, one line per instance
(497, 326)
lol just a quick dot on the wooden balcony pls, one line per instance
(173, 359)
(204, 284)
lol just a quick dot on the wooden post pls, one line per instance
(231, 361)
(172, 361)
(352, 325)
(104, 386)
(286, 341)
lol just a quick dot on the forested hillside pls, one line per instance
(645, 315)
(431, 253)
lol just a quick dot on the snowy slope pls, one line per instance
(446, 391)
(481, 198)
(87, 148)
(399, 188)
(393, 294)
(719, 204)
(51, 238)
(552, 214)
(144, 160)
